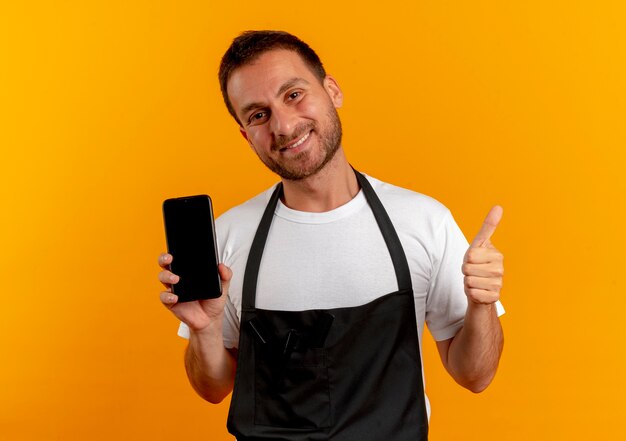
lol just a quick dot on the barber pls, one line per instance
(334, 274)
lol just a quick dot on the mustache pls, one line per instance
(299, 131)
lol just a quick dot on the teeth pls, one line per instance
(304, 138)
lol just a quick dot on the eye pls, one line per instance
(294, 95)
(256, 117)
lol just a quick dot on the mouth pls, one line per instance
(297, 143)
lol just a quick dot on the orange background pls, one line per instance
(110, 107)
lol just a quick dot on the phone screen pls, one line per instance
(190, 233)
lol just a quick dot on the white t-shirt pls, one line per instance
(339, 259)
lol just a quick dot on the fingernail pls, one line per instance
(170, 299)
(173, 278)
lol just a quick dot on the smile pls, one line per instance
(298, 142)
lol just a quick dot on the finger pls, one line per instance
(482, 270)
(481, 296)
(493, 284)
(165, 260)
(168, 278)
(482, 255)
(168, 299)
(489, 226)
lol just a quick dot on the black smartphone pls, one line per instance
(190, 235)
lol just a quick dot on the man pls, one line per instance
(334, 274)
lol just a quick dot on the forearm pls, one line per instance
(210, 367)
(474, 353)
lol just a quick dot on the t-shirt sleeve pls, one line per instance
(230, 326)
(446, 301)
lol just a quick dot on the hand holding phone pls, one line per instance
(190, 234)
(199, 314)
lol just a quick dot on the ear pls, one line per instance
(243, 133)
(334, 91)
(245, 136)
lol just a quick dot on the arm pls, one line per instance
(210, 366)
(472, 355)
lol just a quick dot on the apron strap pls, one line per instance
(398, 257)
(251, 275)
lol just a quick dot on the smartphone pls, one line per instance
(190, 235)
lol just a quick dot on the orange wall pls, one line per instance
(110, 107)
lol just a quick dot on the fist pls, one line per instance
(483, 266)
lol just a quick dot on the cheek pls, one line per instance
(258, 138)
(253, 135)
(311, 109)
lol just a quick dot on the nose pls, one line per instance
(282, 122)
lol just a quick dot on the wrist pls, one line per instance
(480, 308)
(213, 328)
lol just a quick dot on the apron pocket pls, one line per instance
(294, 393)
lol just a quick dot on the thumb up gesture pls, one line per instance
(483, 263)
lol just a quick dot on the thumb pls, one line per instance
(225, 275)
(489, 227)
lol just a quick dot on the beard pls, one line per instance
(305, 164)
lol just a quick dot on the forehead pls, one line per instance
(265, 75)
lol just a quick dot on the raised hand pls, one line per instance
(483, 264)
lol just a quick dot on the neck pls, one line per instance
(332, 187)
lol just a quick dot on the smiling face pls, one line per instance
(287, 116)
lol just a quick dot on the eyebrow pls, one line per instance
(282, 89)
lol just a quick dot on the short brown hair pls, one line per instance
(250, 45)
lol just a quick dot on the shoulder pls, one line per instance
(246, 215)
(236, 227)
(408, 208)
